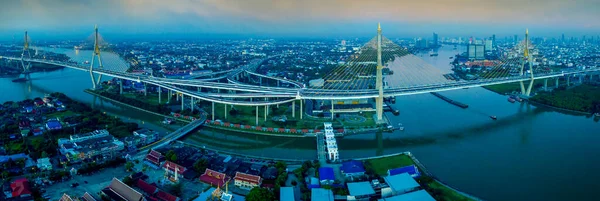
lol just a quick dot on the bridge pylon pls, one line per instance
(26, 55)
(527, 58)
(379, 80)
(96, 54)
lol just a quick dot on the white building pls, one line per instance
(332, 149)
(44, 164)
(90, 135)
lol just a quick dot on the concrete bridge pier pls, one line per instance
(120, 86)
(260, 81)
(568, 80)
(170, 96)
(256, 115)
(580, 79)
(266, 113)
(556, 79)
(199, 89)
(182, 101)
(331, 109)
(145, 89)
(293, 109)
(225, 108)
(177, 94)
(213, 110)
(159, 95)
(192, 103)
(545, 84)
(277, 83)
(301, 111)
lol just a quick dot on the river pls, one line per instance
(529, 153)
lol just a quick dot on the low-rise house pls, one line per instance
(214, 178)
(360, 191)
(321, 194)
(174, 169)
(326, 176)
(412, 170)
(87, 197)
(164, 196)
(20, 189)
(154, 159)
(147, 188)
(246, 181)
(353, 168)
(44, 164)
(286, 194)
(53, 124)
(420, 195)
(399, 184)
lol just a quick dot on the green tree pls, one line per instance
(129, 166)
(260, 194)
(200, 165)
(5, 174)
(127, 180)
(177, 189)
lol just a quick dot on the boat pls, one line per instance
(511, 100)
(433, 54)
(519, 99)
(597, 114)
(493, 117)
(167, 121)
(450, 57)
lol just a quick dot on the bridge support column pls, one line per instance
(522, 87)
(213, 111)
(568, 80)
(331, 109)
(301, 111)
(199, 89)
(580, 79)
(277, 83)
(225, 110)
(145, 89)
(170, 94)
(182, 102)
(192, 103)
(293, 108)
(266, 113)
(177, 94)
(556, 82)
(545, 84)
(260, 81)
(159, 95)
(121, 86)
(256, 115)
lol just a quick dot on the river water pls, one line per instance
(529, 153)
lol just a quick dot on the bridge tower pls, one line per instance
(26, 64)
(96, 54)
(379, 81)
(527, 59)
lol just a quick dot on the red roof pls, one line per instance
(236, 125)
(247, 177)
(213, 177)
(269, 129)
(259, 128)
(171, 167)
(247, 126)
(305, 130)
(161, 195)
(281, 129)
(150, 198)
(20, 187)
(341, 130)
(293, 130)
(147, 188)
(227, 124)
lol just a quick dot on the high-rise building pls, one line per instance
(421, 43)
(494, 40)
(435, 39)
(488, 46)
(476, 52)
(563, 38)
(516, 38)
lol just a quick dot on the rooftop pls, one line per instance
(412, 170)
(360, 188)
(320, 194)
(401, 182)
(352, 166)
(286, 194)
(326, 173)
(420, 195)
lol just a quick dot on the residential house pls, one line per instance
(154, 159)
(352, 168)
(214, 178)
(326, 176)
(44, 164)
(20, 189)
(321, 194)
(420, 195)
(412, 170)
(399, 184)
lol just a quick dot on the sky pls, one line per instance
(298, 18)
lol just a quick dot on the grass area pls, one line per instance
(516, 86)
(447, 193)
(61, 115)
(382, 165)
(584, 98)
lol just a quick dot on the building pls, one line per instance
(320, 194)
(164, 196)
(119, 191)
(90, 135)
(154, 159)
(360, 191)
(412, 170)
(420, 195)
(353, 168)
(65, 197)
(214, 178)
(476, 52)
(44, 164)
(326, 176)
(286, 194)
(331, 143)
(488, 46)
(246, 181)
(87, 197)
(399, 184)
(435, 40)
(53, 125)
(19, 189)
(174, 169)
(147, 188)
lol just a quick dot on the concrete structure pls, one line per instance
(331, 143)
(379, 81)
(353, 168)
(90, 135)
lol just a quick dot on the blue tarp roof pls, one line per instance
(352, 166)
(412, 170)
(4, 159)
(326, 173)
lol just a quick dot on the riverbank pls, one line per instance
(583, 98)
(438, 189)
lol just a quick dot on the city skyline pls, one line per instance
(299, 18)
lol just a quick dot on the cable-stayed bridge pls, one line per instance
(360, 77)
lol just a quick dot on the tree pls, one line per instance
(127, 180)
(171, 156)
(281, 166)
(129, 166)
(200, 165)
(44, 154)
(5, 174)
(260, 194)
